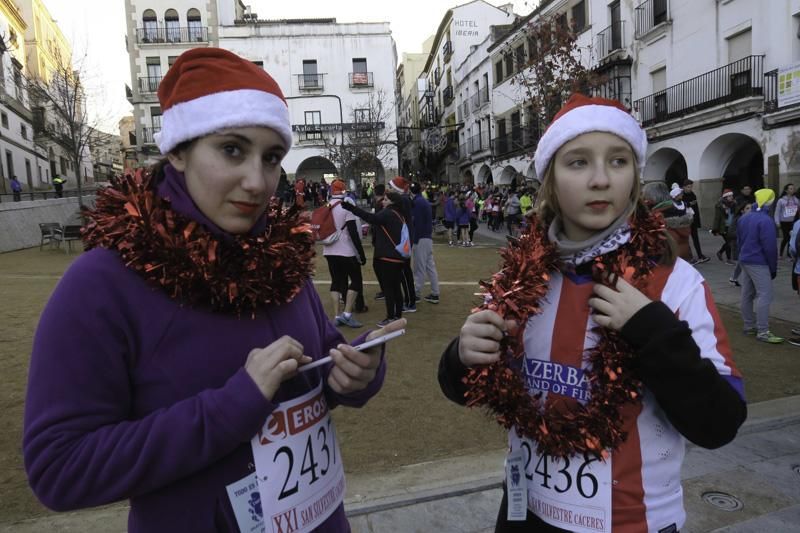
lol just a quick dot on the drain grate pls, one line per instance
(722, 501)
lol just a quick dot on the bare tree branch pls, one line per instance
(366, 139)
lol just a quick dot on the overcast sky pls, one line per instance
(96, 29)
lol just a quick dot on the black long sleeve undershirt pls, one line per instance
(697, 400)
(350, 225)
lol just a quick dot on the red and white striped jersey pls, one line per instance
(638, 489)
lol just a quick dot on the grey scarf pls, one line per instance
(575, 253)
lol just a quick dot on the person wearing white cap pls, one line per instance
(597, 349)
(165, 365)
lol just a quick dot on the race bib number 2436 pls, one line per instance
(572, 493)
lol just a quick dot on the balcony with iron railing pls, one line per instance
(311, 82)
(462, 151)
(519, 139)
(447, 51)
(437, 75)
(478, 143)
(360, 79)
(149, 84)
(611, 39)
(465, 108)
(447, 95)
(172, 34)
(741, 79)
(148, 133)
(650, 14)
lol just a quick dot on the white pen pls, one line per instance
(363, 346)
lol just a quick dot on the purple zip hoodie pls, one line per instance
(133, 396)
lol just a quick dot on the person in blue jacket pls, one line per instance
(758, 255)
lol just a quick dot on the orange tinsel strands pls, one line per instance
(237, 276)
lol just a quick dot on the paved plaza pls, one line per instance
(750, 485)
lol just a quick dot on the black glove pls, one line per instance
(362, 260)
(773, 274)
(347, 205)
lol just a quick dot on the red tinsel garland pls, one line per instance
(192, 265)
(516, 293)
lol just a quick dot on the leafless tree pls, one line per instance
(366, 140)
(554, 67)
(58, 102)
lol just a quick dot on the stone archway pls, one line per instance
(316, 169)
(363, 171)
(666, 164)
(485, 175)
(507, 175)
(736, 158)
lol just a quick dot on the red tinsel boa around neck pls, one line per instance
(562, 427)
(237, 275)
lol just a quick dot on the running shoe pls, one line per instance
(349, 322)
(432, 298)
(794, 341)
(768, 337)
(410, 308)
(379, 296)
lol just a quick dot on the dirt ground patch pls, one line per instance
(408, 422)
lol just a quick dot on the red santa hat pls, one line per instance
(582, 114)
(727, 192)
(399, 184)
(210, 89)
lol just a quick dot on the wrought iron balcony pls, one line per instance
(465, 108)
(519, 139)
(437, 75)
(311, 82)
(147, 134)
(149, 84)
(650, 14)
(172, 34)
(447, 51)
(447, 95)
(360, 79)
(740, 79)
(478, 143)
(476, 100)
(610, 39)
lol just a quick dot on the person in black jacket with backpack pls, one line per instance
(387, 261)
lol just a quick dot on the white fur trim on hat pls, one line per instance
(586, 119)
(217, 111)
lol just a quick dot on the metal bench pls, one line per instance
(49, 230)
(67, 234)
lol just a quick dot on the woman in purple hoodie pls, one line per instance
(167, 365)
